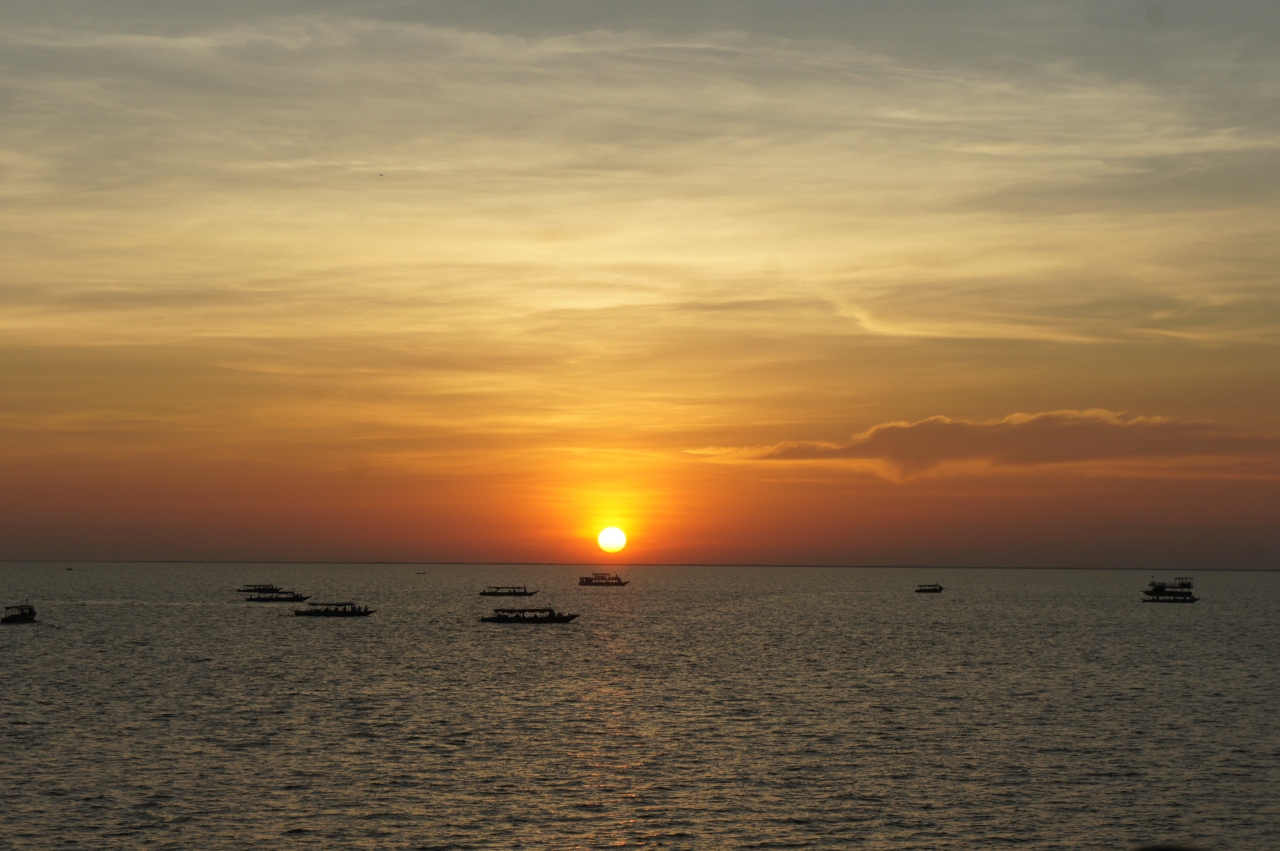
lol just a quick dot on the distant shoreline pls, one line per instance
(633, 564)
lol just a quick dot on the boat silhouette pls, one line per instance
(606, 579)
(263, 588)
(1177, 591)
(21, 613)
(334, 610)
(278, 596)
(545, 615)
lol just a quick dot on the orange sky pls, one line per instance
(994, 284)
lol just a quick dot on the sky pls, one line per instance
(951, 283)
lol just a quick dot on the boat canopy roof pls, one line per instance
(525, 611)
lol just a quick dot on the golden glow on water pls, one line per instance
(611, 539)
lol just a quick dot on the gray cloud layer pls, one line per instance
(1033, 439)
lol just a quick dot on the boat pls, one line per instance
(611, 579)
(931, 588)
(507, 591)
(1177, 591)
(334, 610)
(278, 596)
(265, 588)
(21, 613)
(528, 616)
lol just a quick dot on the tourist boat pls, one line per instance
(1177, 591)
(334, 610)
(279, 596)
(507, 591)
(931, 588)
(266, 588)
(21, 613)
(612, 579)
(528, 616)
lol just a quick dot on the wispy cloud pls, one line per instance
(947, 192)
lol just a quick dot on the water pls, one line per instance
(695, 708)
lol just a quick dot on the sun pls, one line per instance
(612, 539)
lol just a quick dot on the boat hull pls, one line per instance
(541, 619)
(296, 598)
(1171, 599)
(303, 613)
(18, 619)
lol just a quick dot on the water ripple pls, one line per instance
(698, 707)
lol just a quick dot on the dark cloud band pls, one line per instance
(1055, 437)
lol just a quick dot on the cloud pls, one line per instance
(1054, 437)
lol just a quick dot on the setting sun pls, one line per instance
(612, 539)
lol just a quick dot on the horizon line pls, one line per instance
(618, 565)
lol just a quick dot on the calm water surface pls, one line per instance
(695, 708)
